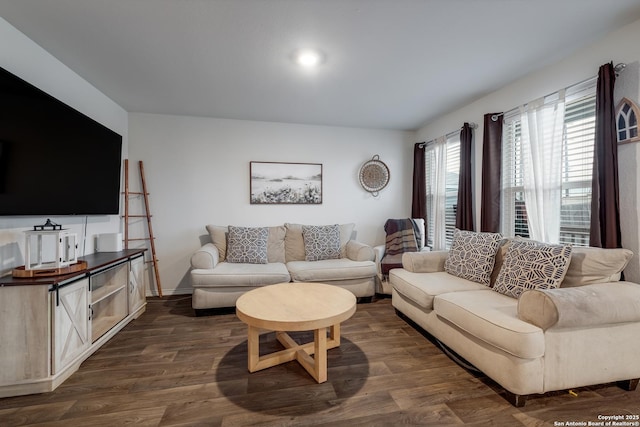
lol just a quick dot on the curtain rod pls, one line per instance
(618, 68)
(472, 125)
(494, 117)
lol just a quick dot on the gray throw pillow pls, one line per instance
(247, 245)
(472, 255)
(321, 242)
(532, 265)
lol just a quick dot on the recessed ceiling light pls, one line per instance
(308, 58)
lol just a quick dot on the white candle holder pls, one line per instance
(53, 249)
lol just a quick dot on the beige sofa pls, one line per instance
(217, 282)
(582, 333)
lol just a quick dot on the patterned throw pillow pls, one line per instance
(532, 265)
(472, 255)
(321, 242)
(247, 245)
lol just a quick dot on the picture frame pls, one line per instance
(282, 183)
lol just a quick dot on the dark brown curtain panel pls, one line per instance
(605, 202)
(464, 211)
(490, 201)
(419, 198)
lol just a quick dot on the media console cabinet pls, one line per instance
(49, 326)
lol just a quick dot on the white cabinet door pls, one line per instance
(137, 284)
(70, 329)
(24, 334)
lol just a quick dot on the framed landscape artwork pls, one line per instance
(286, 183)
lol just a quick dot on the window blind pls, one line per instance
(452, 171)
(452, 181)
(577, 168)
(430, 171)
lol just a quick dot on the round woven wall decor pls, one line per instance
(374, 175)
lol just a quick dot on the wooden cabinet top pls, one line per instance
(94, 262)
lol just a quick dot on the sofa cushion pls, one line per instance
(247, 245)
(423, 288)
(218, 235)
(275, 243)
(532, 265)
(492, 318)
(497, 266)
(595, 265)
(294, 242)
(472, 255)
(330, 269)
(321, 242)
(584, 306)
(233, 275)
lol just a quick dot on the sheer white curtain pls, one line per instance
(542, 142)
(439, 196)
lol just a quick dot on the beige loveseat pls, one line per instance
(582, 333)
(218, 282)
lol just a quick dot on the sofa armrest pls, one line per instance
(357, 251)
(206, 257)
(424, 262)
(584, 306)
(379, 252)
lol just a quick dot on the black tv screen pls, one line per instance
(54, 160)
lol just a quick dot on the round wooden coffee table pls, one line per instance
(295, 307)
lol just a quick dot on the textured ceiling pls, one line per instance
(393, 64)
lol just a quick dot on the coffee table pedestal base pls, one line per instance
(316, 366)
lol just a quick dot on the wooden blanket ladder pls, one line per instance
(147, 214)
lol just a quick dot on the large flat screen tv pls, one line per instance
(54, 160)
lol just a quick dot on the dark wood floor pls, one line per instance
(171, 368)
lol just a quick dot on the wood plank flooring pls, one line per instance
(170, 368)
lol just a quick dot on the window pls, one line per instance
(627, 121)
(442, 163)
(578, 136)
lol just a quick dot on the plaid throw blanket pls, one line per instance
(401, 236)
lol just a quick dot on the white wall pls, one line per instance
(197, 171)
(627, 85)
(619, 46)
(24, 58)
